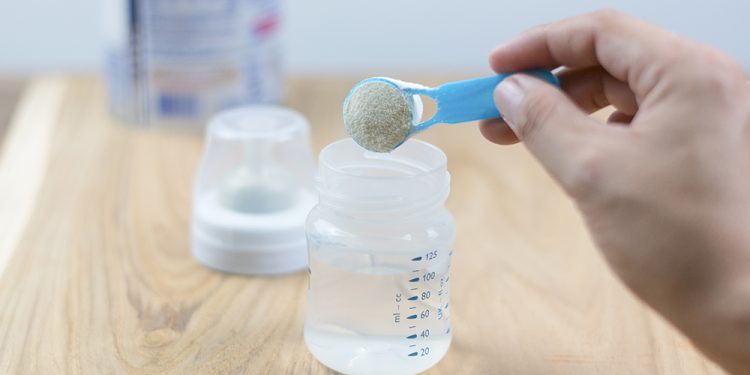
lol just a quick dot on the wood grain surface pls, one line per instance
(97, 277)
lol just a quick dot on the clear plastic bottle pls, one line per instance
(380, 243)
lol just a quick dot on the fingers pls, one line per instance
(551, 126)
(630, 50)
(618, 117)
(593, 89)
(497, 131)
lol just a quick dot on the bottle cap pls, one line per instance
(253, 191)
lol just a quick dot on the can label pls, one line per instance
(200, 56)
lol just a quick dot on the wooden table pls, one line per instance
(96, 275)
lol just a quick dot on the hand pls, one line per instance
(664, 186)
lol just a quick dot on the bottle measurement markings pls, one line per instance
(422, 296)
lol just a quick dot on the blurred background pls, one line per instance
(386, 37)
(177, 62)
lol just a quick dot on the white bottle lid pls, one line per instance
(253, 192)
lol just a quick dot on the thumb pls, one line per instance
(551, 126)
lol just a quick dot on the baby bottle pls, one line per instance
(380, 245)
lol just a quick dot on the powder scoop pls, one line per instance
(381, 113)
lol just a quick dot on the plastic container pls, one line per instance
(253, 191)
(380, 243)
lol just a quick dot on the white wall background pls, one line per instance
(368, 37)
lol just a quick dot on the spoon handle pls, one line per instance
(472, 100)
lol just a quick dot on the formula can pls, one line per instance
(177, 62)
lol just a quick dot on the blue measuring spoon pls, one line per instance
(469, 100)
(457, 102)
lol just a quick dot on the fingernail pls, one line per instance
(508, 97)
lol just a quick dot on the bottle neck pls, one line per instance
(393, 207)
(411, 180)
